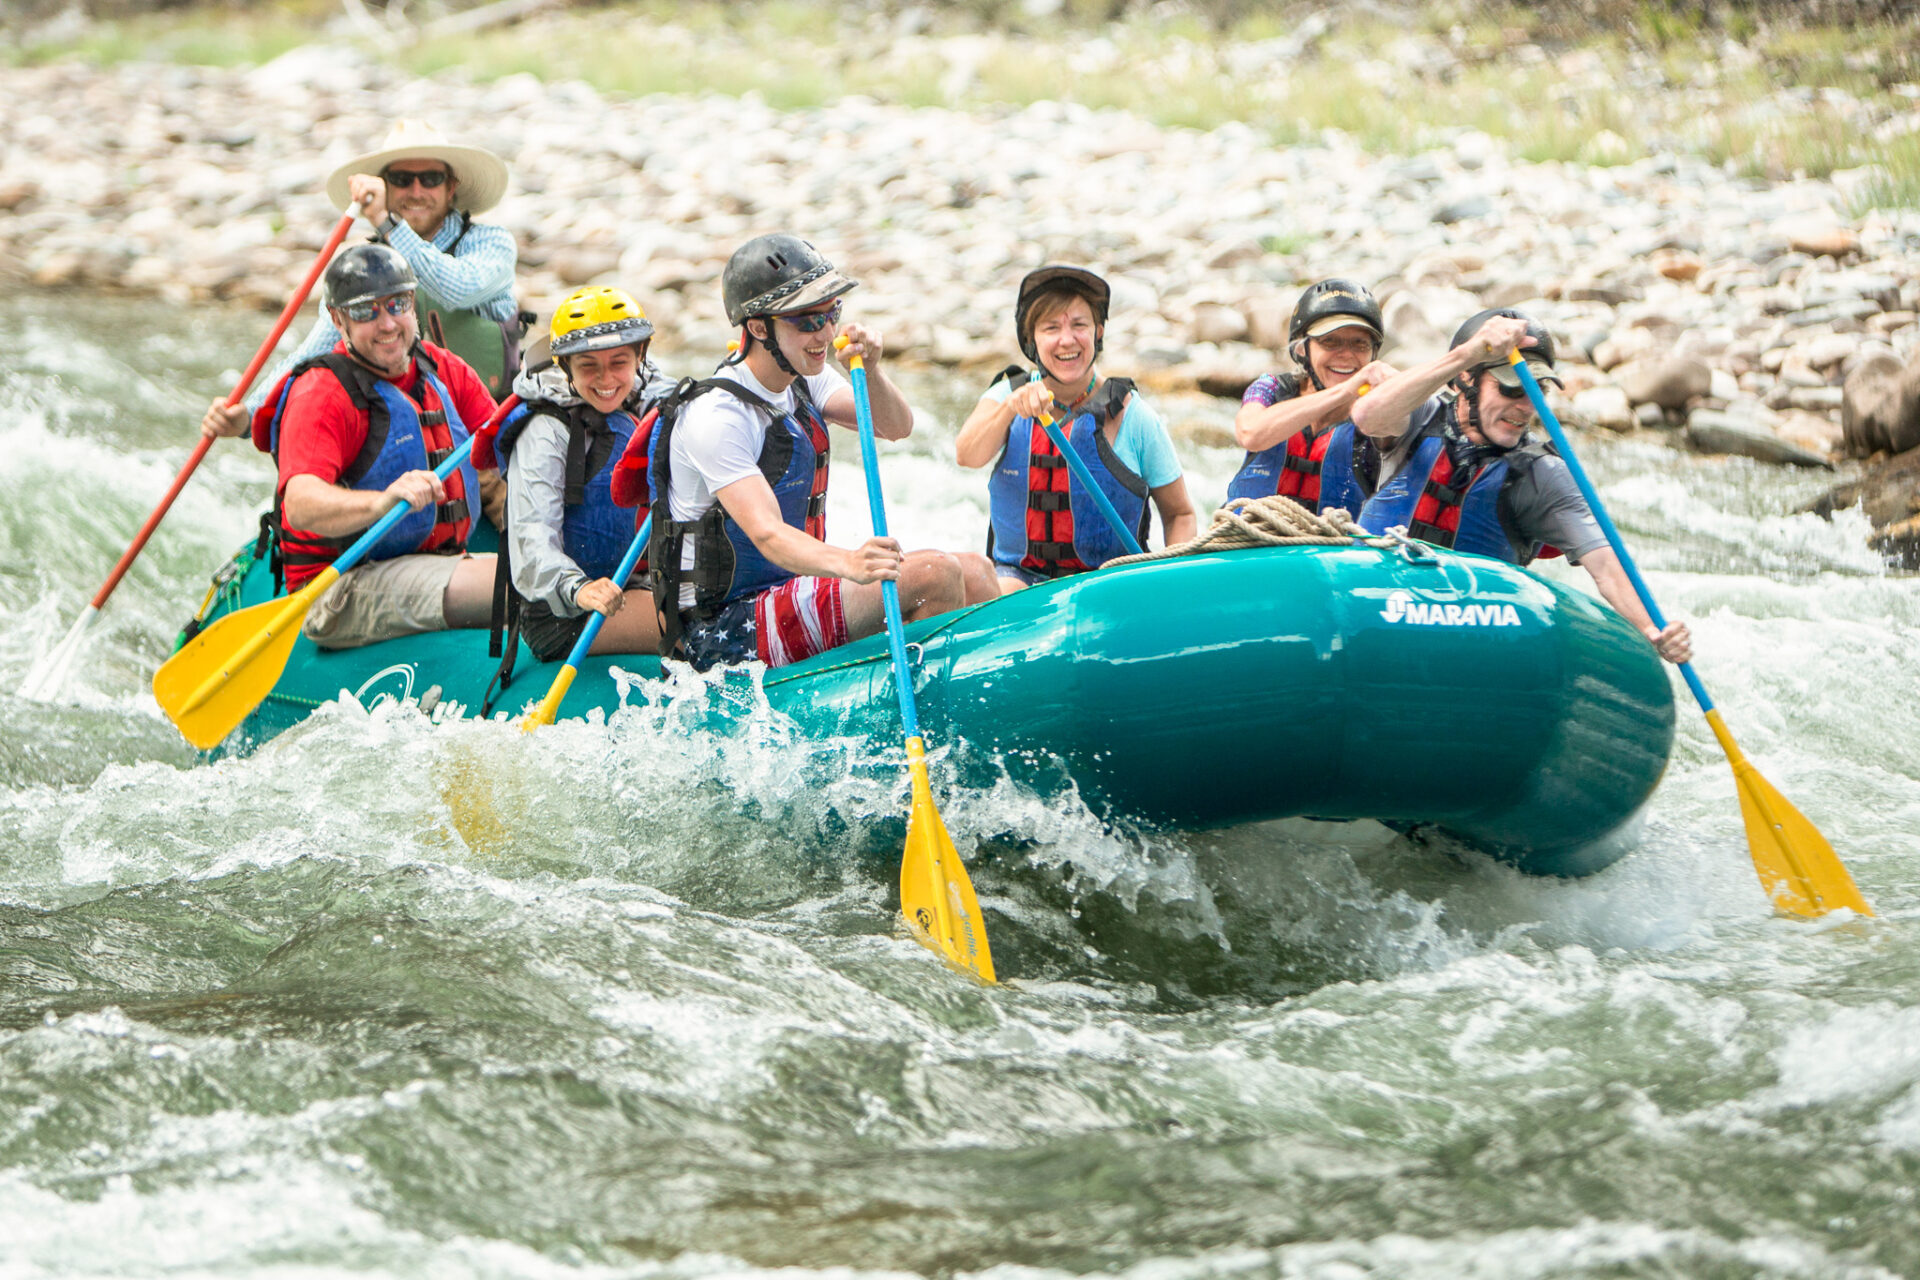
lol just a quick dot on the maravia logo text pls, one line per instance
(1402, 607)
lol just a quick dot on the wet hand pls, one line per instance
(1371, 375)
(601, 596)
(1675, 644)
(370, 193)
(223, 419)
(1031, 401)
(1497, 338)
(417, 489)
(858, 340)
(875, 560)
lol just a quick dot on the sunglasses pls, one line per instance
(428, 178)
(814, 321)
(1511, 393)
(361, 312)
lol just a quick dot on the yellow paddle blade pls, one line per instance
(221, 675)
(935, 893)
(1798, 868)
(550, 705)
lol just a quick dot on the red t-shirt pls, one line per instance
(321, 433)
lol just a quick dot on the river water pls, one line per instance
(396, 999)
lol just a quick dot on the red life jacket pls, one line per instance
(1300, 468)
(1436, 516)
(1051, 549)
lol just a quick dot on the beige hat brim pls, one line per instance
(1327, 324)
(1542, 373)
(481, 174)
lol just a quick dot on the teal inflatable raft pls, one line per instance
(1404, 684)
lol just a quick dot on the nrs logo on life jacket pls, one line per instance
(1402, 607)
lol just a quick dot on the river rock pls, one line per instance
(1217, 322)
(1889, 494)
(1267, 322)
(1720, 431)
(1604, 406)
(1817, 238)
(1669, 382)
(1829, 349)
(1880, 407)
(1817, 433)
(1624, 345)
(1889, 321)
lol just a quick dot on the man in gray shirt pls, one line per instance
(1459, 468)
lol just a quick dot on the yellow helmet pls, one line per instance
(595, 317)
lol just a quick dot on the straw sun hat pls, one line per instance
(482, 174)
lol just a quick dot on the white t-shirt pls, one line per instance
(718, 441)
(719, 437)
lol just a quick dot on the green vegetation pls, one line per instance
(1763, 97)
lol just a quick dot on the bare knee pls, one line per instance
(931, 582)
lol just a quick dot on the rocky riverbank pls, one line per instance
(1757, 319)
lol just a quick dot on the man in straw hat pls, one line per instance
(421, 193)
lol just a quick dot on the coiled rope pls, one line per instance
(1265, 522)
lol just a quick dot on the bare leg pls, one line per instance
(1010, 585)
(930, 582)
(635, 629)
(469, 598)
(978, 574)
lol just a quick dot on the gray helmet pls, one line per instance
(366, 271)
(1341, 301)
(1096, 291)
(1539, 356)
(775, 274)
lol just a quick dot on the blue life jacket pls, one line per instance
(1043, 522)
(726, 563)
(594, 532)
(1453, 506)
(402, 436)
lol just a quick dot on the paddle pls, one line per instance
(936, 895)
(1797, 867)
(51, 671)
(218, 678)
(1087, 482)
(550, 705)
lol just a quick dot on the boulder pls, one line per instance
(1217, 322)
(1880, 406)
(1267, 322)
(1604, 407)
(1666, 381)
(1718, 431)
(1889, 493)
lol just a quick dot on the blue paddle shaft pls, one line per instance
(596, 619)
(1614, 540)
(1085, 477)
(889, 590)
(354, 554)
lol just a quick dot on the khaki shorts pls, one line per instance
(399, 597)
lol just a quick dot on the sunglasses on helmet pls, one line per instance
(361, 312)
(814, 321)
(428, 178)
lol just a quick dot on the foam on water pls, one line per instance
(630, 997)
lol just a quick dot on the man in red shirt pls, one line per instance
(360, 428)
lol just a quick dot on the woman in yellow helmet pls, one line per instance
(565, 535)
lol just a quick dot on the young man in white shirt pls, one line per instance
(742, 566)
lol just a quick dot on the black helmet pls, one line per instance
(1322, 305)
(1083, 282)
(1539, 356)
(366, 271)
(772, 275)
